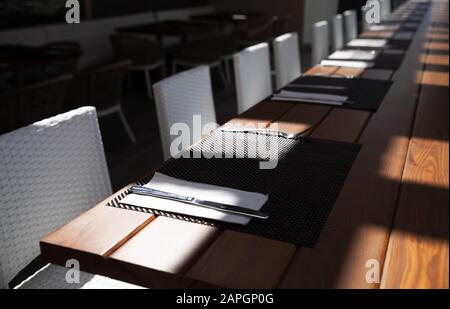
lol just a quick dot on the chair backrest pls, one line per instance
(364, 23)
(9, 112)
(253, 75)
(108, 77)
(385, 6)
(69, 51)
(43, 100)
(205, 50)
(141, 50)
(286, 59)
(338, 32)
(51, 171)
(32, 103)
(263, 29)
(180, 97)
(320, 41)
(350, 25)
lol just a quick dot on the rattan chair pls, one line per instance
(52, 171)
(231, 46)
(24, 106)
(262, 32)
(337, 32)
(181, 97)
(253, 76)
(350, 25)
(145, 54)
(286, 59)
(65, 54)
(209, 51)
(320, 41)
(102, 88)
(9, 112)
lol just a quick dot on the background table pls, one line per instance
(177, 28)
(393, 208)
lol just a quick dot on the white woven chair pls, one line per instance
(350, 25)
(320, 42)
(385, 6)
(338, 32)
(51, 171)
(364, 24)
(253, 75)
(287, 59)
(180, 97)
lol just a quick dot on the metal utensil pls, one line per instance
(198, 202)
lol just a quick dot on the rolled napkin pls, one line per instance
(354, 54)
(350, 64)
(229, 196)
(374, 43)
(310, 97)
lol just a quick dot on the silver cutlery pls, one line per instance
(262, 131)
(140, 190)
(317, 87)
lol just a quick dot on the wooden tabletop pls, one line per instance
(389, 226)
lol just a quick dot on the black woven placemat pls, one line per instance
(366, 94)
(302, 188)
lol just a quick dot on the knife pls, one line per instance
(261, 131)
(326, 87)
(140, 190)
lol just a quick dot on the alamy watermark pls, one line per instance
(372, 12)
(73, 13)
(252, 141)
(373, 273)
(73, 274)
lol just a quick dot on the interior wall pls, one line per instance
(292, 9)
(317, 10)
(93, 35)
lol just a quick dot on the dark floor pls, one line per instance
(130, 162)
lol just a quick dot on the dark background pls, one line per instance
(106, 8)
(21, 13)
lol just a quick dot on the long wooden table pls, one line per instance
(388, 228)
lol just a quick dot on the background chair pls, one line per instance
(65, 56)
(32, 103)
(71, 51)
(320, 42)
(207, 51)
(364, 24)
(338, 32)
(350, 25)
(286, 59)
(52, 171)
(262, 31)
(385, 6)
(231, 46)
(145, 54)
(9, 112)
(102, 88)
(253, 75)
(180, 97)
